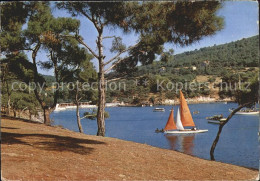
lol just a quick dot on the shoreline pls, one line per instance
(39, 118)
(166, 102)
(138, 105)
(128, 159)
(201, 102)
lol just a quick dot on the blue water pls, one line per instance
(238, 143)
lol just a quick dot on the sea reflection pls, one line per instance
(182, 143)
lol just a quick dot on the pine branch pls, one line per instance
(115, 64)
(81, 42)
(85, 116)
(115, 57)
(93, 53)
(119, 78)
(109, 37)
(81, 11)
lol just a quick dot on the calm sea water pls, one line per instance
(238, 142)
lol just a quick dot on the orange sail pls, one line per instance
(170, 123)
(186, 117)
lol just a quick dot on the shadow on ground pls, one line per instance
(3, 127)
(19, 119)
(50, 142)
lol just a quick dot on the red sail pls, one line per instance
(186, 117)
(170, 123)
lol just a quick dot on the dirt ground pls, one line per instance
(32, 151)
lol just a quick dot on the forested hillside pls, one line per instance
(238, 54)
(231, 62)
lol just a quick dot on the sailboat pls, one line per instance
(183, 119)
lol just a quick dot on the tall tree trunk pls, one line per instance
(46, 111)
(101, 87)
(77, 112)
(8, 98)
(14, 113)
(30, 115)
(46, 116)
(19, 113)
(5, 83)
(101, 105)
(8, 105)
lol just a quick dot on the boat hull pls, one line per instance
(217, 121)
(248, 113)
(59, 109)
(245, 112)
(186, 131)
(159, 110)
(214, 122)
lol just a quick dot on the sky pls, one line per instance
(240, 17)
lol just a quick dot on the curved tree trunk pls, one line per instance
(77, 112)
(22, 111)
(214, 144)
(222, 124)
(78, 120)
(101, 86)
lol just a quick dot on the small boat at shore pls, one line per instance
(246, 112)
(215, 117)
(59, 108)
(159, 110)
(196, 112)
(184, 118)
(217, 121)
(214, 121)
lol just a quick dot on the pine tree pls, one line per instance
(156, 23)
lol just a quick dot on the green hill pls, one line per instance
(238, 54)
(229, 63)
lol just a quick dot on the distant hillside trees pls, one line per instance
(175, 72)
(16, 95)
(239, 54)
